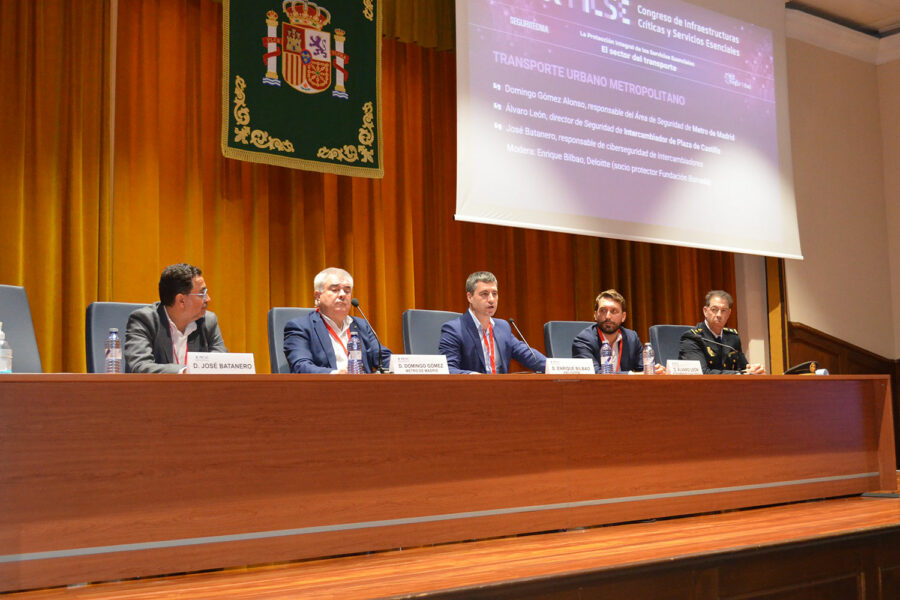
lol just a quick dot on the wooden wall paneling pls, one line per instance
(842, 358)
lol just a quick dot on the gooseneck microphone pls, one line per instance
(355, 304)
(533, 355)
(703, 339)
(732, 348)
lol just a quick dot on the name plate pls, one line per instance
(569, 366)
(683, 367)
(221, 363)
(419, 364)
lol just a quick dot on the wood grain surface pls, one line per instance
(138, 475)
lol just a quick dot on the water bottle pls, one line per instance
(354, 355)
(113, 352)
(606, 366)
(5, 353)
(648, 358)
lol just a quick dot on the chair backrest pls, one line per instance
(558, 336)
(98, 319)
(665, 340)
(278, 318)
(15, 314)
(422, 329)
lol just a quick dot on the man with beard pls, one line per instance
(716, 347)
(627, 350)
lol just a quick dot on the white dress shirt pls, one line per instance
(343, 333)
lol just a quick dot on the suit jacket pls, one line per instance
(148, 341)
(461, 345)
(308, 349)
(587, 345)
(699, 344)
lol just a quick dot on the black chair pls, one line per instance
(558, 336)
(665, 340)
(422, 329)
(15, 314)
(99, 318)
(277, 319)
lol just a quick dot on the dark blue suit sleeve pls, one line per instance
(517, 349)
(522, 353)
(298, 349)
(634, 354)
(370, 346)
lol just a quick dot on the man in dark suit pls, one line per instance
(158, 337)
(475, 342)
(317, 343)
(718, 348)
(627, 351)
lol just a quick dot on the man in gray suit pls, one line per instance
(158, 337)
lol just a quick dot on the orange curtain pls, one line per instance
(260, 233)
(54, 114)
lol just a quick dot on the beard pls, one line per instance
(608, 328)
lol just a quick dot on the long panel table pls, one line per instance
(106, 477)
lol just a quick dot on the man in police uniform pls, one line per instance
(718, 348)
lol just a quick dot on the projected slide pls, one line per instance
(652, 120)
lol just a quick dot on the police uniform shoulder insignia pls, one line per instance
(697, 330)
(730, 330)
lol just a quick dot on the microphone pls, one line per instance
(355, 304)
(533, 355)
(703, 339)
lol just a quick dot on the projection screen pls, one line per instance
(659, 120)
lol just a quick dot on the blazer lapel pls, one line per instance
(474, 339)
(500, 357)
(163, 339)
(324, 339)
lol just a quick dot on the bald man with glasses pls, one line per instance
(159, 337)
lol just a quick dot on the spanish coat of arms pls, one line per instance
(305, 49)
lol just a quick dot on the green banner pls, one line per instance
(302, 84)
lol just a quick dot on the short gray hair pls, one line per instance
(719, 294)
(479, 277)
(324, 274)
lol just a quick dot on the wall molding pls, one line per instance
(825, 34)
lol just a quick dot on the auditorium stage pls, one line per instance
(837, 548)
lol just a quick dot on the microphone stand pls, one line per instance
(533, 355)
(379, 368)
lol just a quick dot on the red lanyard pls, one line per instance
(619, 358)
(490, 346)
(335, 336)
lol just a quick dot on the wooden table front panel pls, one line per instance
(107, 477)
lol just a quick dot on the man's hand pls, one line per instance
(755, 370)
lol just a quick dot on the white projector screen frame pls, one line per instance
(660, 121)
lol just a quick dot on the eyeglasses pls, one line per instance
(204, 294)
(717, 310)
